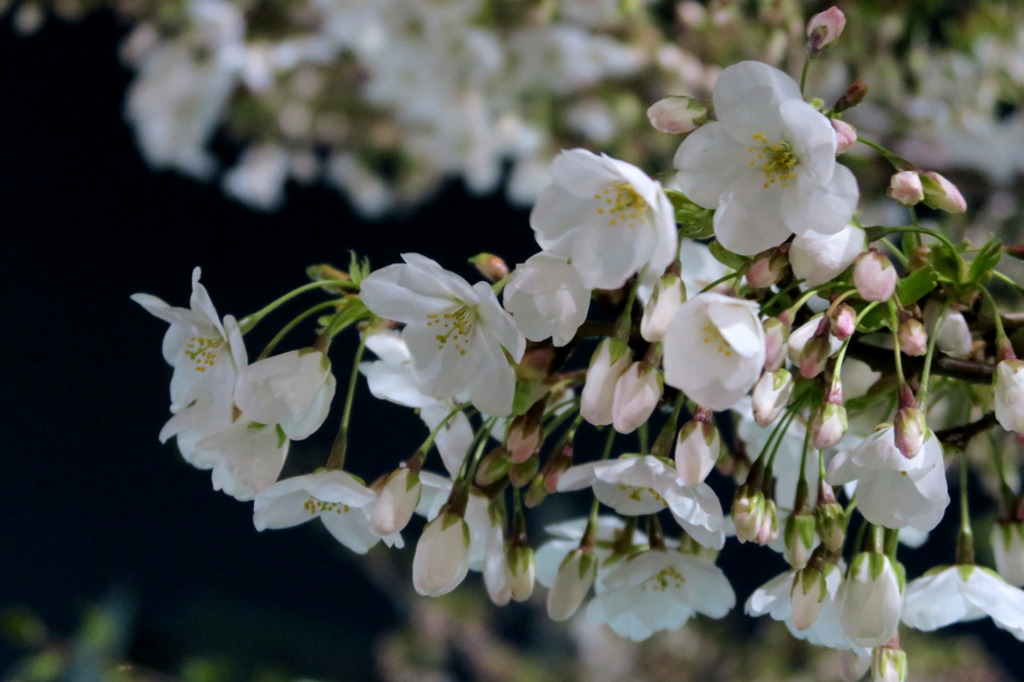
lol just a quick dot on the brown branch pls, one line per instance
(881, 360)
(958, 437)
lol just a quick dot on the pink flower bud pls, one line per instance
(874, 276)
(828, 426)
(555, 466)
(697, 448)
(525, 434)
(909, 426)
(771, 393)
(776, 334)
(798, 533)
(814, 355)
(677, 115)
(769, 529)
(636, 394)
(490, 266)
(843, 322)
(829, 519)
(906, 188)
(846, 135)
(768, 267)
(942, 194)
(748, 513)
(913, 338)
(493, 467)
(824, 28)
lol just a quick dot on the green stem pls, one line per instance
(895, 321)
(250, 321)
(926, 372)
(897, 162)
(1002, 341)
(1006, 280)
(336, 460)
(294, 323)
(896, 251)
(720, 280)
(803, 75)
(965, 540)
(440, 425)
(923, 230)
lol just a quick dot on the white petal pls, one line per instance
(708, 161)
(824, 209)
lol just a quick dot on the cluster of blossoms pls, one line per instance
(848, 367)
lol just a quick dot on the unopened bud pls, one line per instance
(572, 583)
(536, 492)
(521, 569)
(828, 426)
(636, 394)
(557, 464)
(889, 664)
(697, 448)
(768, 267)
(852, 97)
(769, 529)
(909, 426)
(396, 501)
(798, 533)
(874, 276)
(492, 267)
(814, 355)
(942, 194)
(610, 360)
(776, 334)
(669, 293)
(824, 28)
(912, 337)
(806, 594)
(906, 188)
(677, 115)
(771, 393)
(846, 135)
(843, 322)
(493, 467)
(521, 474)
(525, 434)
(829, 519)
(748, 512)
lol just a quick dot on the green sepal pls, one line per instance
(986, 259)
(875, 319)
(728, 258)
(695, 222)
(948, 266)
(965, 571)
(358, 268)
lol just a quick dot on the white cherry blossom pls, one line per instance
(872, 600)
(714, 349)
(660, 589)
(607, 217)
(546, 299)
(958, 594)
(817, 258)
(767, 164)
(293, 390)
(457, 334)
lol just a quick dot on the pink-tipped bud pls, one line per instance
(768, 267)
(874, 276)
(846, 135)
(828, 426)
(521, 474)
(677, 115)
(490, 266)
(493, 467)
(771, 393)
(748, 512)
(815, 353)
(556, 465)
(824, 28)
(525, 433)
(697, 448)
(798, 533)
(776, 335)
(669, 293)
(843, 322)
(536, 492)
(909, 426)
(942, 194)
(906, 188)
(636, 394)
(913, 337)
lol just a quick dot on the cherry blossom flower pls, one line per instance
(293, 390)
(714, 349)
(457, 334)
(957, 594)
(442, 555)
(817, 258)
(606, 217)
(546, 299)
(871, 600)
(767, 164)
(659, 589)
(894, 491)
(335, 497)
(646, 485)
(1008, 386)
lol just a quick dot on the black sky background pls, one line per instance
(89, 500)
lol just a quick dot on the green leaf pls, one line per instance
(916, 285)
(875, 319)
(728, 258)
(946, 265)
(986, 259)
(694, 221)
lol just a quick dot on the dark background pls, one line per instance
(90, 503)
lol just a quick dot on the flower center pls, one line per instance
(203, 352)
(665, 579)
(638, 494)
(315, 506)
(455, 326)
(777, 161)
(714, 338)
(621, 204)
